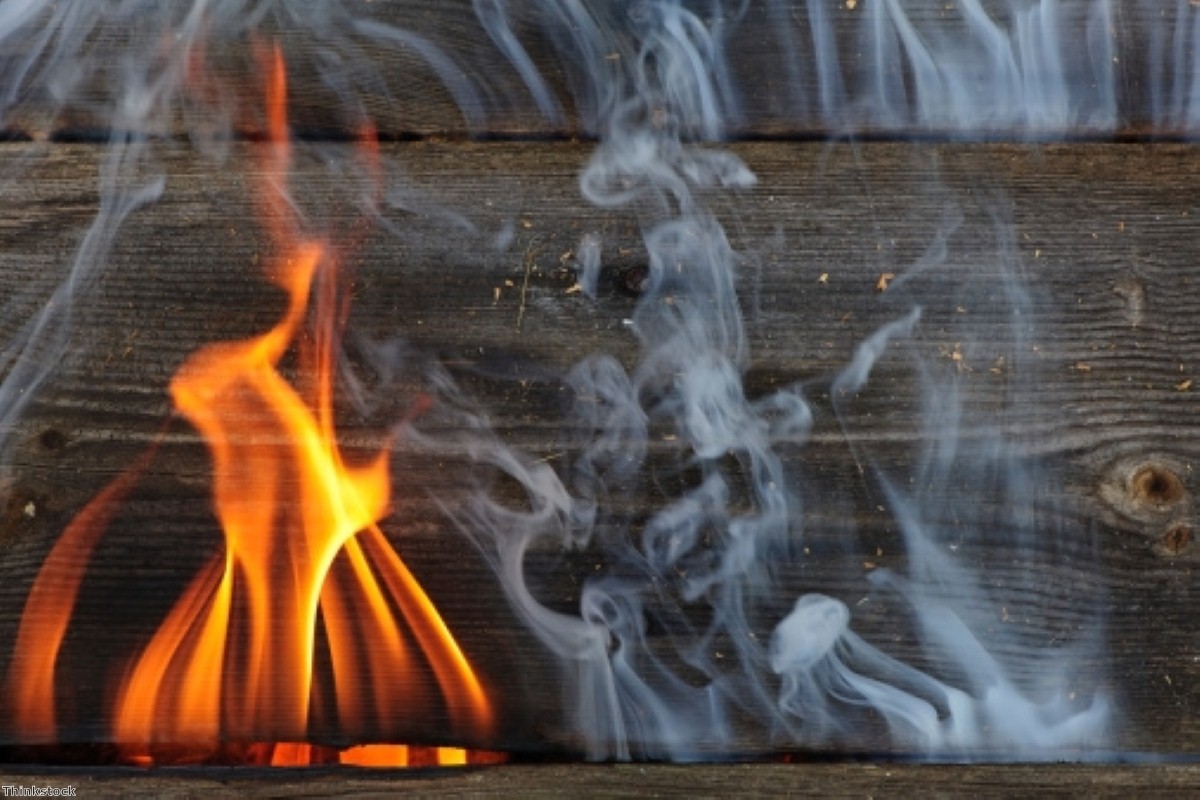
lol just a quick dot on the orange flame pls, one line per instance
(234, 659)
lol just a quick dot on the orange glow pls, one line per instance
(291, 754)
(393, 755)
(305, 567)
(375, 755)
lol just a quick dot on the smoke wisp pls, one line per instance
(694, 631)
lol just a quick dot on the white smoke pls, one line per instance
(684, 636)
(704, 567)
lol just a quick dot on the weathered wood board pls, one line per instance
(795, 69)
(470, 261)
(642, 780)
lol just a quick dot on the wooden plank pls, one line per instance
(471, 262)
(808, 780)
(992, 68)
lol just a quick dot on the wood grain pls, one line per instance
(470, 262)
(1118, 74)
(762, 780)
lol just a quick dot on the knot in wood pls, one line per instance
(1177, 540)
(52, 439)
(1156, 485)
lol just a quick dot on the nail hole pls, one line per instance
(635, 280)
(1155, 485)
(52, 439)
(1177, 539)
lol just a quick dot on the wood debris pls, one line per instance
(955, 354)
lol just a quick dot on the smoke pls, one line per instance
(1172, 66)
(970, 485)
(997, 68)
(38, 347)
(704, 570)
(694, 629)
(1014, 71)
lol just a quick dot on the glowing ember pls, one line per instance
(304, 565)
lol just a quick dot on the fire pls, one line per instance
(305, 565)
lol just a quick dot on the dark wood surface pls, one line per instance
(757, 780)
(1117, 73)
(1102, 235)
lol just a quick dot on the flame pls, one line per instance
(304, 566)
(48, 609)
